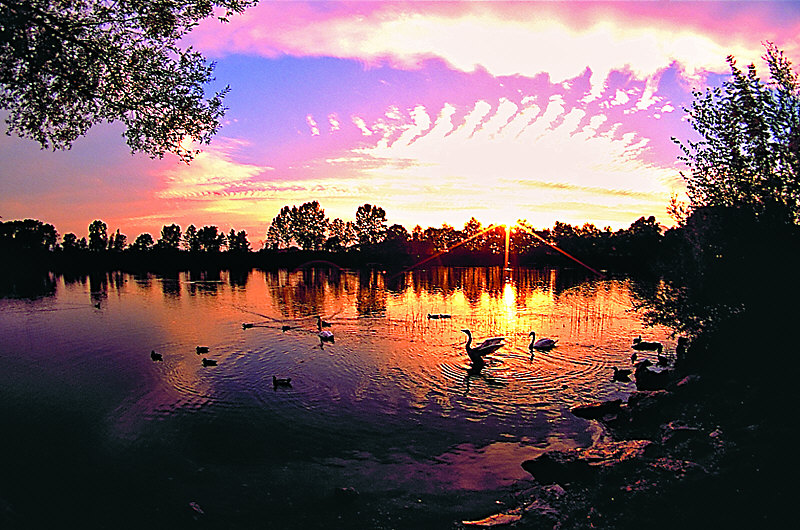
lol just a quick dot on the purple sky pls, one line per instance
(437, 112)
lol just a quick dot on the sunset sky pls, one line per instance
(436, 112)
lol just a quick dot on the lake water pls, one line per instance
(99, 435)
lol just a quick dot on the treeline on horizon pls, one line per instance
(301, 234)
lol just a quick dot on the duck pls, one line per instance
(281, 381)
(156, 356)
(541, 344)
(634, 356)
(647, 379)
(621, 375)
(209, 362)
(326, 336)
(285, 328)
(486, 347)
(201, 349)
(322, 324)
(643, 345)
(247, 325)
(433, 316)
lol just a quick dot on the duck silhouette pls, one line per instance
(621, 375)
(156, 356)
(281, 381)
(643, 345)
(247, 325)
(209, 362)
(647, 379)
(201, 349)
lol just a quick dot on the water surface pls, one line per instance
(99, 434)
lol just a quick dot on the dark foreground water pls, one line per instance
(95, 434)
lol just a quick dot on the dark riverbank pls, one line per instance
(709, 450)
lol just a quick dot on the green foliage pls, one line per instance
(66, 65)
(749, 152)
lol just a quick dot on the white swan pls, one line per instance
(484, 348)
(326, 336)
(541, 344)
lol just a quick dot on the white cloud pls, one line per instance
(214, 171)
(333, 120)
(362, 126)
(520, 158)
(312, 125)
(620, 98)
(505, 39)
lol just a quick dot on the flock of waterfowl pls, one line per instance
(155, 356)
(324, 336)
(645, 378)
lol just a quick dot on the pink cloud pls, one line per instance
(522, 38)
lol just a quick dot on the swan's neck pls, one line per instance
(469, 341)
(533, 339)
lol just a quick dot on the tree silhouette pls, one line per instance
(98, 236)
(170, 236)
(209, 239)
(66, 66)
(471, 230)
(190, 239)
(341, 235)
(281, 231)
(749, 153)
(237, 241)
(70, 242)
(143, 242)
(28, 234)
(117, 241)
(442, 238)
(310, 225)
(370, 224)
